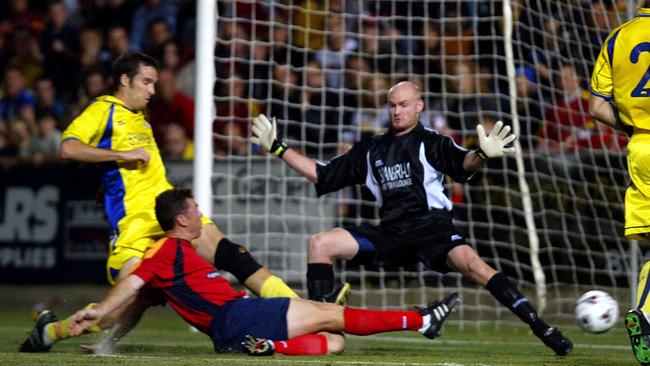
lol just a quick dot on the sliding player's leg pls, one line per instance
(465, 260)
(324, 248)
(236, 259)
(306, 320)
(49, 330)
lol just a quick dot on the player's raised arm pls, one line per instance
(265, 135)
(74, 149)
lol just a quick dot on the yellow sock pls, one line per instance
(275, 287)
(61, 330)
(643, 289)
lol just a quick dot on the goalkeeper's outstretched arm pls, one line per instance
(265, 135)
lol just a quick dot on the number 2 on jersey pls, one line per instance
(640, 91)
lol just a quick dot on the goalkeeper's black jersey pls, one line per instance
(404, 173)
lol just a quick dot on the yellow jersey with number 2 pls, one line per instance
(622, 71)
(622, 74)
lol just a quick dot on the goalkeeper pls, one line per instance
(112, 131)
(620, 97)
(404, 169)
(197, 292)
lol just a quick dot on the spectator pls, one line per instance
(231, 49)
(394, 48)
(46, 98)
(20, 135)
(568, 126)
(18, 101)
(145, 14)
(591, 37)
(357, 71)
(458, 35)
(45, 143)
(320, 108)
(468, 99)
(369, 41)
(429, 60)
(117, 43)
(281, 50)
(105, 14)
(91, 45)
(310, 24)
(555, 48)
(233, 140)
(28, 56)
(259, 71)
(158, 32)
(20, 15)
(170, 106)
(372, 118)
(93, 85)
(170, 55)
(528, 107)
(60, 47)
(175, 143)
(186, 78)
(285, 101)
(334, 54)
(233, 107)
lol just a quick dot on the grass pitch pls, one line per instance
(163, 338)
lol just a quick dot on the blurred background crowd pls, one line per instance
(322, 67)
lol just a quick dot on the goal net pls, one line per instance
(322, 68)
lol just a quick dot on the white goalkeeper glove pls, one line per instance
(264, 134)
(494, 145)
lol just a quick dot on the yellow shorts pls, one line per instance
(140, 232)
(637, 196)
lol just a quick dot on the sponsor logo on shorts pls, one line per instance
(456, 237)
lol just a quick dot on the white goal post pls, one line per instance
(551, 217)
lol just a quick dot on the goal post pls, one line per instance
(204, 107)
(550, 217)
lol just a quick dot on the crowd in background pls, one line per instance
(322, 67)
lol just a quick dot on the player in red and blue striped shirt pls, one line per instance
(197, 291)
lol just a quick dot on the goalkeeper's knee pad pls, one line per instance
(235, 259)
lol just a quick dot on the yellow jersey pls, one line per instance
(131, 188)
(622, 71)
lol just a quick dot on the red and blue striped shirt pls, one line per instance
(193, 287)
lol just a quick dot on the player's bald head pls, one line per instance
(407, 86)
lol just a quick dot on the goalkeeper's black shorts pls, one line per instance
(426, 238)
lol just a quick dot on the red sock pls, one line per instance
(363, 322)
(308, 344)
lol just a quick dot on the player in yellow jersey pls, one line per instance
(620, 97)
(113, 131)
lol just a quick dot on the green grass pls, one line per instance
(163, 338)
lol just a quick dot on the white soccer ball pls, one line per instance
(596, 311)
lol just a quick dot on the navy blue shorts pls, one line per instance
(426, 238)
(262, 318)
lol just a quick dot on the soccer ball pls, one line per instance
(596, 311)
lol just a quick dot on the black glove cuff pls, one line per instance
(481, 154)
(278, 147)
